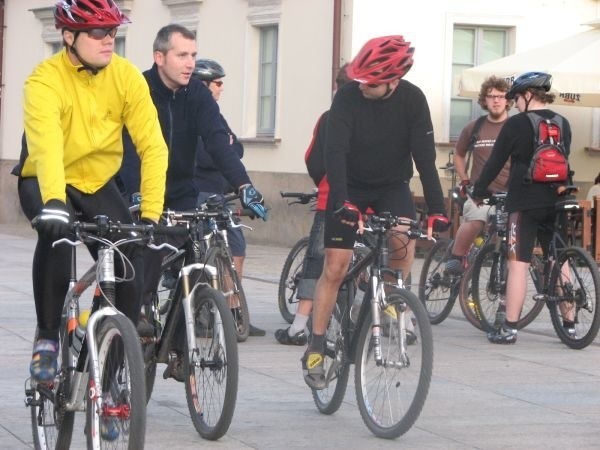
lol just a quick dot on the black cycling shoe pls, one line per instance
(254, 331)
(283, 337)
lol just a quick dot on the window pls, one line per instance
(267, 81)
(471, 46)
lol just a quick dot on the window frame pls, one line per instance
(268, 66)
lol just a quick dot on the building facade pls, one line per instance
(280, 57)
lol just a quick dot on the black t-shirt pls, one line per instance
(515, 141)
(371, 144)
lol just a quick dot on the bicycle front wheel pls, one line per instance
(437, 289)
(574, 296)
(336, 364)
(52, 426)
(391, 392)
(118, 419)
(288, 281)
(211, 367)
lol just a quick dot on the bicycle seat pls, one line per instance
(566, 203)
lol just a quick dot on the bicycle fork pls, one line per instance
(378, 304)
(190, 322)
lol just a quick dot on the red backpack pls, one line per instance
(550, 162)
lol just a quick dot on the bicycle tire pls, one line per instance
(232, 289)
(468, 306)
(288, 280)
(120, 370)
(336, 363)
(211, 378)
(52, 426)
(380, 388)
(437, 289)
(581, 292)
(149, 347)
(488, 291)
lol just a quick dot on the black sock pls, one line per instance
(568, 324)
(317, 343)
(509, 324)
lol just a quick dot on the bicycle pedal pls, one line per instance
(540, 297)
(391, 311)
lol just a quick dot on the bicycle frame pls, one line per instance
(377, 263)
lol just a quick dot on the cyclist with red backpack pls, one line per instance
(530, 200)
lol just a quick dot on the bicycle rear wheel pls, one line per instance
(288, 281)
(391, 393)
(469, 307)
(489, 289)
(211, 367)
(437, 289)
(231, 288)
(574, 295)
(336, 364)
(119, 419)
(52, 426)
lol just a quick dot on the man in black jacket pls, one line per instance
(377, 126)
(187, 112)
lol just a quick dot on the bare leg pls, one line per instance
(402, 252)
(335, 267)
(516, 289)
(466, 234)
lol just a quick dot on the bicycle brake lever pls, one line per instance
(162, 246)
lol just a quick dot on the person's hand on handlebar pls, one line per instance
(54, 220)
(476, 197)
(438, 223)
(464, 184)
(253, 200)
(349, 214)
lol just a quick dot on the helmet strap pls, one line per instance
(84, 65)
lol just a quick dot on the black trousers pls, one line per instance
(51, 266)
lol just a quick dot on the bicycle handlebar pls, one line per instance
(303, 198)
(385, 221)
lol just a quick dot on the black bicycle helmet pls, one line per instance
(208, 70)
(533, 80)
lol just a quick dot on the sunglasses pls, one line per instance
(218, 83)
(100, 33)
(495, 97)
(372, 85)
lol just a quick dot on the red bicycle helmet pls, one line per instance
(382, 60)
(86, 14)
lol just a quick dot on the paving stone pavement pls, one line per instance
(537, 394)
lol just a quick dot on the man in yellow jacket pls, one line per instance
(76, 104)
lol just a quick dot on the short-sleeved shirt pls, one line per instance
(482, 149)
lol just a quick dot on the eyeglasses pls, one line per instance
(218, 83)
(100, 33)
(372, 85)
(495, 97)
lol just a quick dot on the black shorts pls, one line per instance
(396, 200)
(312, 265)
(523, 229)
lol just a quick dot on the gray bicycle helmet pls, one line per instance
(533, 80)
(208, 70)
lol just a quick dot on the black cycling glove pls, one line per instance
(54, 221)
(348, 212)
(253, 200)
